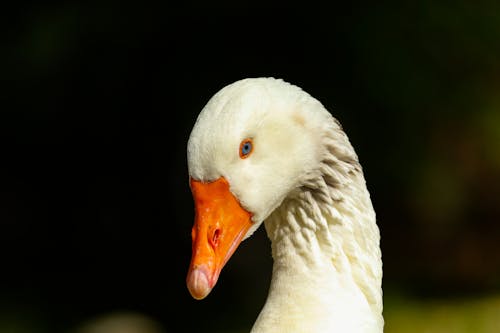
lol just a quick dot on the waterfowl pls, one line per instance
(264, 151)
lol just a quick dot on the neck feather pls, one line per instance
(325, 244)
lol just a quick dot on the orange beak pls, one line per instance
(219, 226)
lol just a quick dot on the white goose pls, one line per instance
(265, 150)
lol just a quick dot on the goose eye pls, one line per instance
(246, 147)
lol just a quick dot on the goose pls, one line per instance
(263, 150)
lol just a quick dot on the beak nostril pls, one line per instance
(215, 238)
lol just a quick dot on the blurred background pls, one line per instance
(99, 100)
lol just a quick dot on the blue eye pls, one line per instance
(246, 147)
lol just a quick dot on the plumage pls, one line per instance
(304, 182)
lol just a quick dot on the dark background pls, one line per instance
(98, 102)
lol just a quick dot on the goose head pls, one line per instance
(255, 143)
(263, 150)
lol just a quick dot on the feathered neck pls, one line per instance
(327, 267)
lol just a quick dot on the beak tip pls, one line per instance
(198, 283)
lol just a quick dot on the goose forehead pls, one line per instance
(236, 110)
(232, 118)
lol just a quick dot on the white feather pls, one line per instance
(304, 180)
